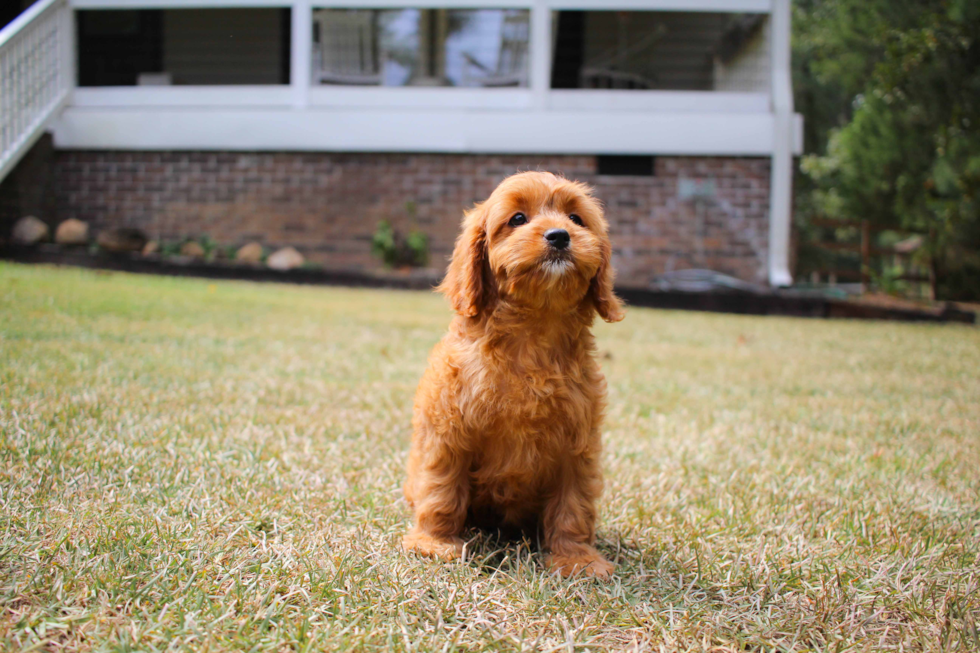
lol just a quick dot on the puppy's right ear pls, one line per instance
(469, 284)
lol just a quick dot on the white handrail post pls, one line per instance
(301, 51)
(781, 175)
(540, 53)
(69, 70)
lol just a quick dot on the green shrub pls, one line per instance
(171, 248)
(209, 245)
(383, 243)
(418, 244)
(394, 250)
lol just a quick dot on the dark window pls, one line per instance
(115, 47)
(569, 49)
(183, 47)
(625, 166)
(285, 45)
(661, 50)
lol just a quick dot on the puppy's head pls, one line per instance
(541, 242)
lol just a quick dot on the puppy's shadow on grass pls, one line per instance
(618, 549)
(495, 550)
(651, 570)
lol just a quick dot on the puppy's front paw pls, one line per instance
(586, 563)
(434, 547)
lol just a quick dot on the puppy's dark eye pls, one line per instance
(576, 219)
(518, 220)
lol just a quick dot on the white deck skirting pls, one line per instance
(405, 130)
(608, 102)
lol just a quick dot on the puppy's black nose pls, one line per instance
(557, 238)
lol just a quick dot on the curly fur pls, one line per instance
(508, 413)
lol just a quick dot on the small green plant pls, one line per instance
(383, 243)
(889, 280)
(418, 244)
(171, 248)
(397, 251)
(209, 245)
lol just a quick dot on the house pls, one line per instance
(307, 122)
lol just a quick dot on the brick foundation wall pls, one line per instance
(29, 189)
(328, 205)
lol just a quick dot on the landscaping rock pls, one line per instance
(122, 239)
(152, 247)
(250, 253)
(192, 249)
(30, 231)
(71, 232)
(286, 258)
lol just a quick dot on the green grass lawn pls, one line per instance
(191, 465)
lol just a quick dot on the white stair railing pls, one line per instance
(36, 76)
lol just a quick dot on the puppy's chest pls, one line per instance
(524, 417)
(531, 395)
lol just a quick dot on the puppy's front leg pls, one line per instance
(438, 488)
(569, 520)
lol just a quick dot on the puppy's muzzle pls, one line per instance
(557, 238)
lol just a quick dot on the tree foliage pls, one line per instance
(891, 93)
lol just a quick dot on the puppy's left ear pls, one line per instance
(605, 301)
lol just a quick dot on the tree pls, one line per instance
(905, 151)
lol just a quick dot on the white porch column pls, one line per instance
(540, 53)
(301, 52)
(781, 180)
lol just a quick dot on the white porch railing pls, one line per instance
(36, 76)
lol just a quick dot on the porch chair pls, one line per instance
(348, 48)
(512, 61)
(607, 69)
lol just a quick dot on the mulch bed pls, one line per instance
(776, 302)
(184, 266)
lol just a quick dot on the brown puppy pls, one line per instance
(507, 415)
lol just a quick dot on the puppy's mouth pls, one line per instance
(558, 263)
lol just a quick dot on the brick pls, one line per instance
(327, 205)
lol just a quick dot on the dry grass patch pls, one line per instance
(189, 465)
